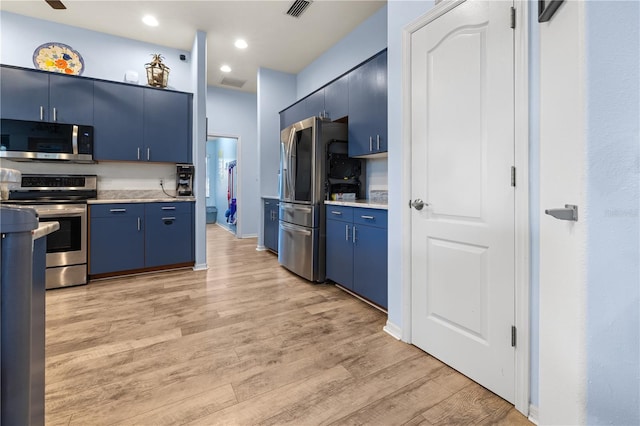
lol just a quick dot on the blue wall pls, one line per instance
(366, 40)
(613, 150)
(234, 113)
(105, 56)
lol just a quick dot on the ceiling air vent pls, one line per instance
(298, 7)
(233, 82)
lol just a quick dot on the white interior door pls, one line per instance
(462, 141)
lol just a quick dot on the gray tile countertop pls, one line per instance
(137, 196)
(358, 203)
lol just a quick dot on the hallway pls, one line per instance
(244, 342)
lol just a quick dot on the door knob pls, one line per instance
(569, 212)
(417, 204)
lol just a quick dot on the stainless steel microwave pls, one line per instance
(36, 140)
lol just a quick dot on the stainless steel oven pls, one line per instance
(62, 199)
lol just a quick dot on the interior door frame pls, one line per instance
(238, 169)
(521, 138)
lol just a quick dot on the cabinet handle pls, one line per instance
(117, 210)
(353, 236)
(168, 218)
(168, 208)
(368, 217)
(148, 153)
(370, 143)
(378, 141)
(267, 203)
(139, 222)
(55, 114)
(346, 232)
(335, 212)
(138, 153)
(41, 113)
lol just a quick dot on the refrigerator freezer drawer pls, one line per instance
(300, 214)
(298, 251)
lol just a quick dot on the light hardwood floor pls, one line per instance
(243, 343)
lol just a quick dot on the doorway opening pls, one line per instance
(221, 186)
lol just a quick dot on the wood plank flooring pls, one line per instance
(243, 343)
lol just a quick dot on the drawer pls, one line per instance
(372, 217)
(116, 210)
(341, 213)
(159, 209)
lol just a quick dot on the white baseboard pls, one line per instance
(533, 414)
(200, 267)
(393, 330)
(261, 248)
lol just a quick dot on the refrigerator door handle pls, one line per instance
(292, 136)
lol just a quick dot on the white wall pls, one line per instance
(105, 56)
(234, 113)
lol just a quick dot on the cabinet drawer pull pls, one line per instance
(139, 223)
(168, 218)
(55, 114)
(370, 143)
(335, 212)
(378, 141)
(168, 208)
(367, 217)
(41, 113)
(138, 153)
(148, 154)
(346, 232)
(117, 210)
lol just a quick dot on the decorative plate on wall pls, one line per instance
(58, 57)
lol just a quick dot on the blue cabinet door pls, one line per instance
(167, 126)
(168, 234)
(368, 107)
(24, 94)
(314, 104)
(121, 104)
(270, 207)
(117, 238)
(293, 114)
(370, 263)
(339, 252)
(336, 98)
(70, 99)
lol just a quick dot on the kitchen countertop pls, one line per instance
(139, 196)
(358, 203)
(45, 228)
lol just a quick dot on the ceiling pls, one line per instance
(276, 40)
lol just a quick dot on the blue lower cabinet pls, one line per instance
(133, 236)
(168, 234)
(270, 208)
(356, 251)
(117, 238)
(339, 252)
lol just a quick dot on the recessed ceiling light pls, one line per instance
(150, 20)
(241, 44)
(225, 68)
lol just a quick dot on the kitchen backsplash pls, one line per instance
(111, 176)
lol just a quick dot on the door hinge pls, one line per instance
(513, 17)
(513, 176)
(513, 336)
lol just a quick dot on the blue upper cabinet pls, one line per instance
(368, 107)
(336, 98)
(70, 99)
(314, 104)
(39, 96)
(122, 104)
(25, 94)
(167, 126)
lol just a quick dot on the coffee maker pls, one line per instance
(184, 179)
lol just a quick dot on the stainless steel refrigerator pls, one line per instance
(301, 233)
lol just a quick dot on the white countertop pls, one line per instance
(45, 228)
(358, 203)
(139, 196)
